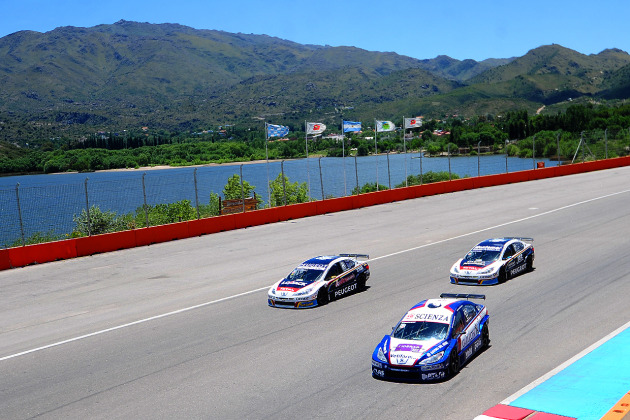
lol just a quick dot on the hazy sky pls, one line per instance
(458, 28)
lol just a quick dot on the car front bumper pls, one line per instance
(474, 281)
(291, 303)
(432, 372)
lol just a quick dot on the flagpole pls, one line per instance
(267, 159)
(308, 176)
(405, 150)
(376, 150)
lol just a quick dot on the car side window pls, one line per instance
(518, 246)
(509, 252)
(334, 271)
(348, 264)
(458, 323)
(469, 313)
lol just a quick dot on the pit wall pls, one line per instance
(80, 247)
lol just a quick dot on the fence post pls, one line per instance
(389, 176)
(506, 156)
(242, 188)
(321, 179)
(558, 147)
(534, 152)
(87, 209)
(196, 193)
(144, 195)
(606, 142)
(449, 161)
(284, 185)
(478, 159)
(17, 195)
(356, 174)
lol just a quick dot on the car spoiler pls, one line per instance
(366, 256)
(520, 238)
(462, 296)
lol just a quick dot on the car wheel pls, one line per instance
(530, 263)
(502, 275)
(485, 336)
(453, 363)
(361, 283)
(322, 297)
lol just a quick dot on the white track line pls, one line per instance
(190, 308)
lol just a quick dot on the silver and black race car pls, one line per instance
(494, 261)
(320, 280)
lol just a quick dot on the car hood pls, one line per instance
(286, 285)
(474, 265)
(407, 352)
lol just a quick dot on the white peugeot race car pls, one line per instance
(320, 280)
(494, 261)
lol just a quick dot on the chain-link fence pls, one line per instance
(43, 208)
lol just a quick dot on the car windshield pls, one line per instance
(483, 254)
(421, 331)
(305, 274)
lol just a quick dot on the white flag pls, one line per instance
(413, 122)
(385, 126)
(315, 128)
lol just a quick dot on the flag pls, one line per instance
(413, 122)
(315, 128)
(277, 130)
(351, 126)
(385, 126)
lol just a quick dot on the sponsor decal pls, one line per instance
(378, 372)
(377, 364)
(438, 348)
(470, 334)
(345, 290)
(487, 248)
(470, 267)
(345, 279)
(402, 359)
(518, 270)
(416, 348)
(430, 317)
(433, 375)
(313, 266)
(436, 366)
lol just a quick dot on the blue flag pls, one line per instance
(277, 130)
(349, 126)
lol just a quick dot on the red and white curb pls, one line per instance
(507, 412)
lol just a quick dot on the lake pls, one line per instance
(47, 203)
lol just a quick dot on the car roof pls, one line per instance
(445, 307)
(495, 242)
(321, 260)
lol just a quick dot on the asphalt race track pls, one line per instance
(183, 330)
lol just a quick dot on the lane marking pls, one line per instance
(563, 366)
(140, 321)
(201, 305)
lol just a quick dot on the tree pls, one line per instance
(232, 190)
(294, 192)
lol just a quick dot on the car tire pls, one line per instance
(322, 297)
(453, 363)
(361, 282)
(485, 336)
(530, 263)
(502, 275)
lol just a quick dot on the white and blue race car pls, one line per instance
(494, 261)
(433, 340)
(319, 280)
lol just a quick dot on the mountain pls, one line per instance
(71, 81)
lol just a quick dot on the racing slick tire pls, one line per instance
(529, 263)
(485, 336)
(502, 275)
(453, 363)
(322, 297)
(361, 283)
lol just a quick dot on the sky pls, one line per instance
(461, 29)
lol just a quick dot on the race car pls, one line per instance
(319, 280)
(433, 340)
(494, 261)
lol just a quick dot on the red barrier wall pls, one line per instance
(5, 261)
(51, 251)
(105, 243)
(42, 253)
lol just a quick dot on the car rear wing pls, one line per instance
(365, 256)
(462, 296)
(520, 238)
